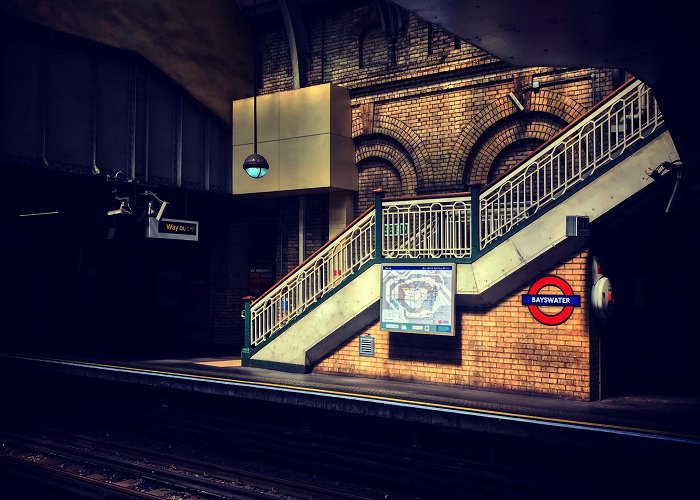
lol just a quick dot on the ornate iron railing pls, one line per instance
(432, 228)
(621, 121)
(318, 275)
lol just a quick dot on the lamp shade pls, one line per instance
(256, 166)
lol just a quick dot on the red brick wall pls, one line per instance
(499, 348)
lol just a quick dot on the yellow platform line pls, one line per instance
(358, 395)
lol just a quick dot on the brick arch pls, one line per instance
(511, 156)
(548, 102)
(530, 126)
(404, 135)
(385, 149)
(374, 172)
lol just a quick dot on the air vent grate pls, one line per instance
(366, 345)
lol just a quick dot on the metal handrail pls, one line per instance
(312, 280)
(430, 228)
(626, 118)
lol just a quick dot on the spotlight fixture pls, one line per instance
(663, 168)
(516, 101)
(153, 200)
(124, 207)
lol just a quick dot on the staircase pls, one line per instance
(499, 238)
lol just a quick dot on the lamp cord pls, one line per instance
(255, 76)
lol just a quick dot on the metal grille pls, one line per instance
(427, 228)
(626, 119)
(315, 278)
(366, 345)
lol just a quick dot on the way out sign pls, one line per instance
(172, 229)
(565, 301)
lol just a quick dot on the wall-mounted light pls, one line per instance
(124, 207)
(255, 165)
(120, 194)
(516, 101)
(156, 206)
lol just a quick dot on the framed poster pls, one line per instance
(418, 298)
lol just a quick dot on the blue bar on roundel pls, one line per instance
(552, 300)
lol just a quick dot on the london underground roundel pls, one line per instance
(567, 300)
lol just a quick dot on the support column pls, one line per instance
(475, 222)
(341, 208)
(302, 228)
(245, 353)
(378, 232)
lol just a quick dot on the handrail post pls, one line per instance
(245, 353)
(475, 225)
(378, 218)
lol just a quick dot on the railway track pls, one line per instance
(411, 472)
(182, 447)
(121, 471)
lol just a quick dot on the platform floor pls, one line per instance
(646, 417)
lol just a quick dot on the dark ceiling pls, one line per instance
(205, 46)
(202, 45)
(652, 40)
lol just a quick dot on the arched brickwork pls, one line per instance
(375, 172)
(554, 103)
(381, 147)
(516, 128)
(512, 156)
(405, 136)
(551, 103)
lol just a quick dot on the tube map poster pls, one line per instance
(418, 298)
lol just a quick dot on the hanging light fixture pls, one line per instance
(255, 165)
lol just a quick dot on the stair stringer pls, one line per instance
(322, 329)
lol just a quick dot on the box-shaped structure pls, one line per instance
(304, 134)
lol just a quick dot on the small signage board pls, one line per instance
(173, 229)
(418, 298)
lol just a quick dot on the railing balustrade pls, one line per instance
(604, 135)
(433, 228)
(316, 277)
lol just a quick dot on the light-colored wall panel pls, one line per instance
(308, 134)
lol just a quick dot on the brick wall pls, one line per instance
(288, 256)
(499, 348)
(430, 112)
(511, 156)
(316, 222)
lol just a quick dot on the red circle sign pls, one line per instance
(551, 319)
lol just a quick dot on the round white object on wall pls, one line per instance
(602, 298)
